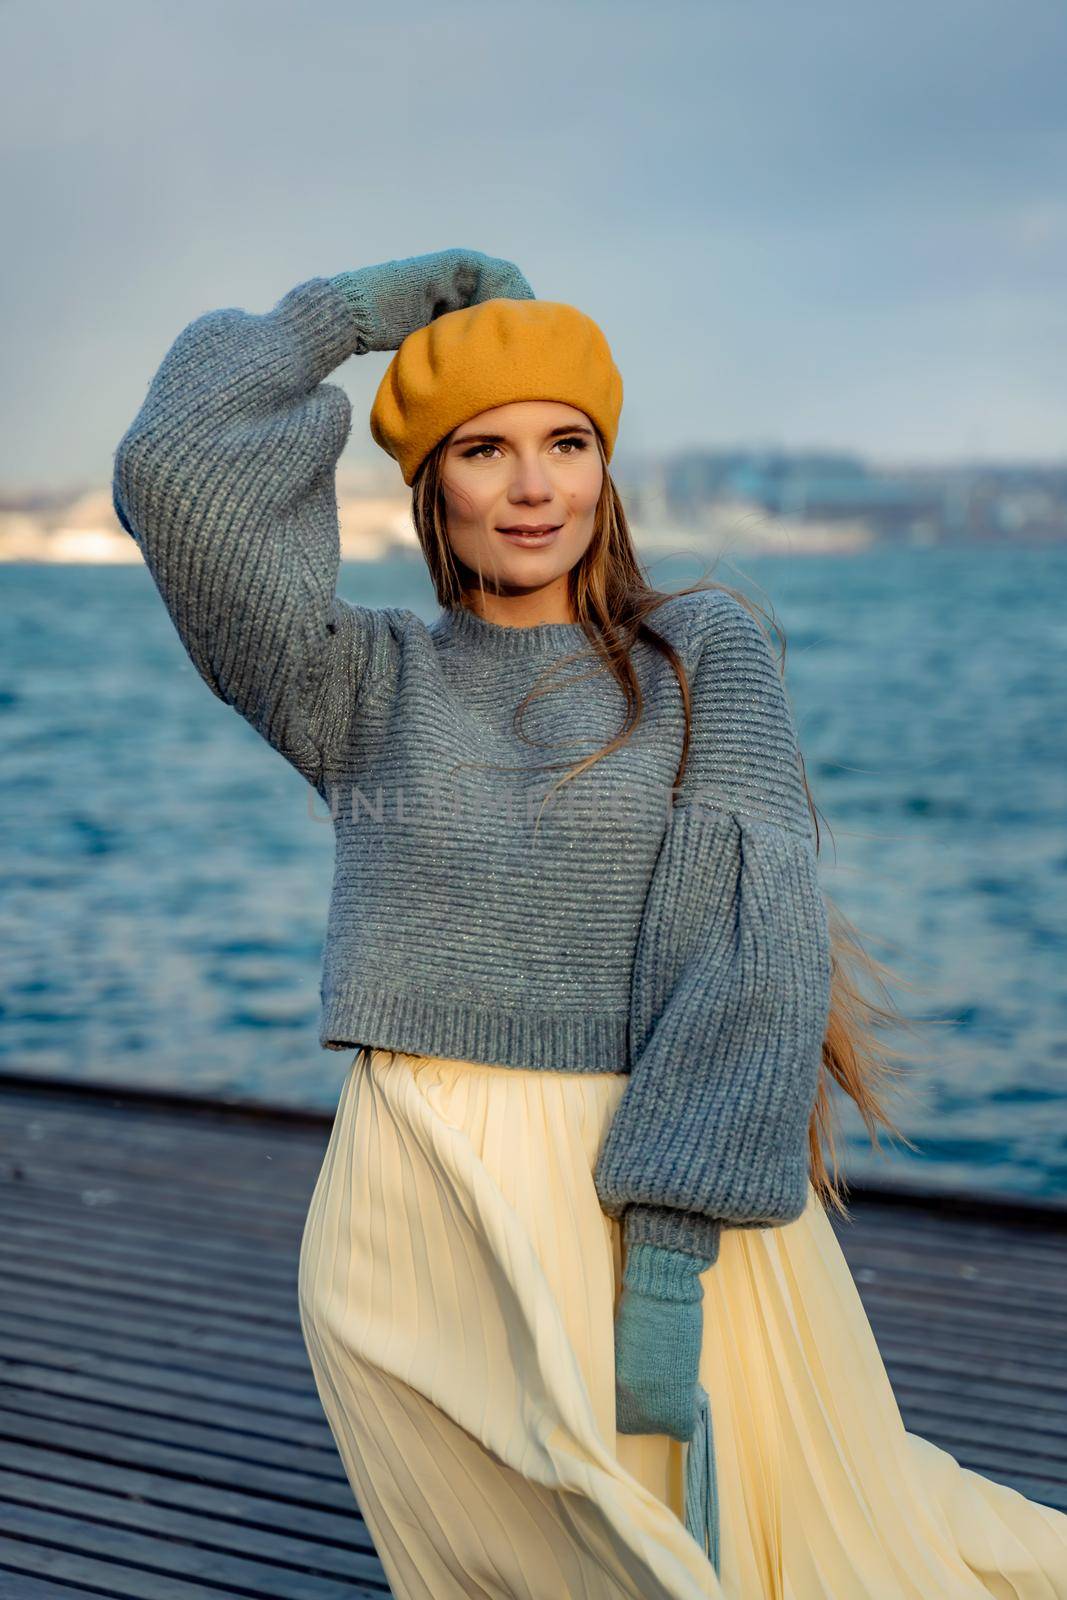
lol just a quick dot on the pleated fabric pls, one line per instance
(457, 1289)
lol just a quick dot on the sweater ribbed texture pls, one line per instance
(669, 1275)
(684, 944)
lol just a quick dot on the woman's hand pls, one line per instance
(397, 297)
(658, 1332)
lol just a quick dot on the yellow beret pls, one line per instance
(485, 355)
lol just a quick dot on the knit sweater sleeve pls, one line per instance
(731, 986)
(225, 479)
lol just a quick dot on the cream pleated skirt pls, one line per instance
(457, 1288)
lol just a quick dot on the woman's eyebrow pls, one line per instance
(501, 438)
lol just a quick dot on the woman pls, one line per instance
(571, 1210)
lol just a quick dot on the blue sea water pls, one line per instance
(168, 875)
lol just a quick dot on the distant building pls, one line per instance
(920, 505)
(817, 487)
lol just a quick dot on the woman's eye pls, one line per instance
(577, 442)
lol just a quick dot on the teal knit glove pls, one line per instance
(397, 297)
(658, 1331)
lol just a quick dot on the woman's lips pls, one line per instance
(532, 541)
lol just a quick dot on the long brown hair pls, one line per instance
(611, 598)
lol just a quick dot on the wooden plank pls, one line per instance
(150, 1287)
(227, 1442)
(128, 1238)
(30, 1364)
(161, 1455)
(123, 1580)
(63, 1170)
(921, 1230)
(60, 1316)
(168, 1207)
(20, 1586)
(317, 1517)
(213, 1535)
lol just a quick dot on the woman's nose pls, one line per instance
(531, 480)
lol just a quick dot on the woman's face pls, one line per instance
(522, 465)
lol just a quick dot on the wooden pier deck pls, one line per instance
(160, 1433)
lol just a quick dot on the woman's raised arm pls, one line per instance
(226, 480)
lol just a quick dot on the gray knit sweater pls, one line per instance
(681, 939)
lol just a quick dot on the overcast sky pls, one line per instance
(808, 225)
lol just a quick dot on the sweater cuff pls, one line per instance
(359, 290)
(687, 1231)
(354, 286)
(665, 1274)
